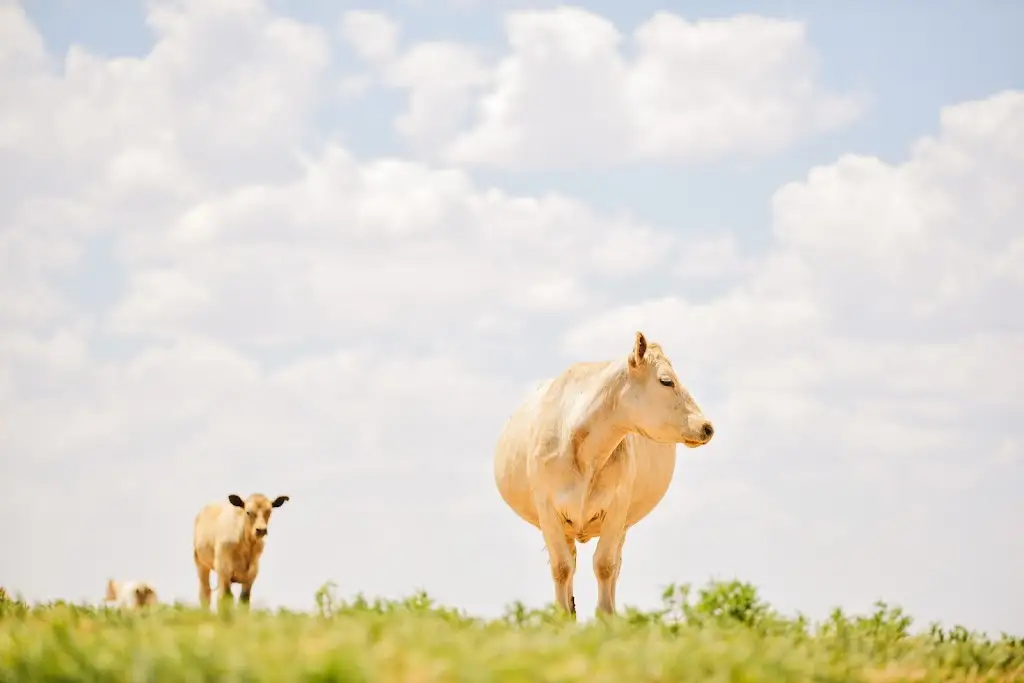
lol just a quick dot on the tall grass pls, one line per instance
(721, 632)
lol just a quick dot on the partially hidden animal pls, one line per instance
(130, 594)
(591, 452)
(228, 538)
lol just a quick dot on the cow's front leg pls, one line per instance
(618, 569)
(571, 542)
(608, 557)
(561, 554)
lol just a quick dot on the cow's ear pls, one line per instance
(236, 501)
(279, 501)
(639, 350)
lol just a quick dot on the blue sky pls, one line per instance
(223, 275)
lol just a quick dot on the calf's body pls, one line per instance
(228, 539)
(130, 594)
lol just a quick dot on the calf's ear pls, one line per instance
(279, 501)
(236, 501)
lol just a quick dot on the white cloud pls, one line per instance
(372, 35)
(569, 93)
(190, 100)
(441, 78)
(348, 247)
(135, 139)
(716, 258)
(929, 240)
(354, 85)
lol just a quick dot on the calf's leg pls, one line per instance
(243, 595)
(222, 565)
(203, 573)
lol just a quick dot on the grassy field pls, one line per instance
(722, 632)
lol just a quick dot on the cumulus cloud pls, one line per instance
(99, 144)
(573, 91)
(372, 35)
(192, 96)
(884, 280)
(937, 235)
(439, 76)
(349, 247)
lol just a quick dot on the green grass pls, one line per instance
(723, 632)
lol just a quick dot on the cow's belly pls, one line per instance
(655, 466)
(583, 517)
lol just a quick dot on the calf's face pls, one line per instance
(145, 595)
(257, 509)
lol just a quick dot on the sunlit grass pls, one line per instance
(722, 633)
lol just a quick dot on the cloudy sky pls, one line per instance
(323, 249)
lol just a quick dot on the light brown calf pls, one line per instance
(228, 538)
(132, 594)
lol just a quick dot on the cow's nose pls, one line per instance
(261, 532)
(708, 430)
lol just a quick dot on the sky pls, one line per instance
(324, 249)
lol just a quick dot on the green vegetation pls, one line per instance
(723, 632)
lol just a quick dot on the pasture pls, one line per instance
(722, 632)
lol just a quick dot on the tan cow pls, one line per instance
(591, 452)
(131, 594)
(228, 538)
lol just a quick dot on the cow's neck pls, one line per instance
(595, 441)
(596, 436)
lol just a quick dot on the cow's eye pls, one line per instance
(667, 382)
(251, 513)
